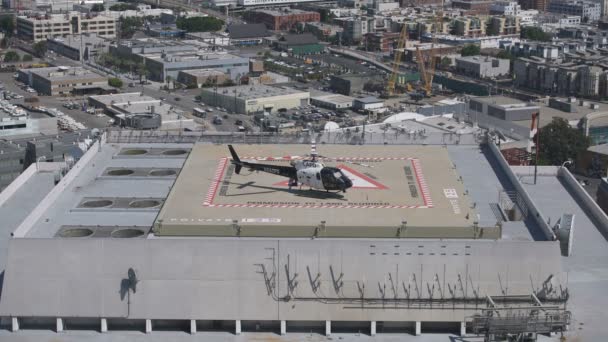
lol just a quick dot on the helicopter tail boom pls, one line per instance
(235, 160)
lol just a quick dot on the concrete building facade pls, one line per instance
(483, 67)
(41, 27)
(588, 11)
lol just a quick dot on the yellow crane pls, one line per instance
(428, 73)
(398, 52)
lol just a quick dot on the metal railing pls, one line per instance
(392, 137)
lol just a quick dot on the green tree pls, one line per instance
(199, 24)
(470, 50)
(40, 48)
(560, 142)
(11, 56)
(123, 7)
(27, 58)
(535, 33)
(504, 54)
(115, 82)
(446, 62)
(98, 8)
(7, 24)
(491, 30)
(128, 26)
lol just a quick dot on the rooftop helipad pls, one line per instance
(398, 191)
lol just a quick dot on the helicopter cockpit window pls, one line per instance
(338, 174)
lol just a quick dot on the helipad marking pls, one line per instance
(426, 196)
(360, 181)
(215, 182)
(219, 173)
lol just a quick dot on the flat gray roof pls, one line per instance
(257, 91)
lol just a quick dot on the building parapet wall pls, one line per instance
(52, 196)
(584, 200)
(536, 215)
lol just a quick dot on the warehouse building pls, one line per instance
(61, 80)
(198, 77)
(163, 65)
(300, 44)
(79, 46)
(368, 103)
(248, 99)
(139, 111)
(332, 101)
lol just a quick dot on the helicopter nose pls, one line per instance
(347, 182)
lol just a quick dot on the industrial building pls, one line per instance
(368, 103)
(332, 101)
(483, 67)
(155, 225)
(43, 26)
(18, 153)
(163, 65)
(281, 19)
(300, 44)
(139, 111)
(349, 84)
(79, 46)
(166, 58)
(55, 81)
(247, 99)
(247, 34)
(199, 77)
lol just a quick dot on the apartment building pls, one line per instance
(43, 26)
(504, 25)
(587, 10)
(469, 27)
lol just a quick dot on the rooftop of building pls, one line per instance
(64, 73)
(58, 18)
(78, 41)
(257, 91)
(369, 99)
(203, 72)
(478, 59)
(283, 11)
(334, 98)
(243, 31)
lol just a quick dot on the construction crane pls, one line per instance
(398, 52)
(428, 73)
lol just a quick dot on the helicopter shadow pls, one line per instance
(316, 194)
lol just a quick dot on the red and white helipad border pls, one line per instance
(221, 167)
(215, 182)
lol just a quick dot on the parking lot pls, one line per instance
(13, 86)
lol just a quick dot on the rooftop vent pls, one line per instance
(127, 233)
(120, 172)
(76, 233)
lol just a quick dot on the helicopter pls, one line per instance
(307, 172)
